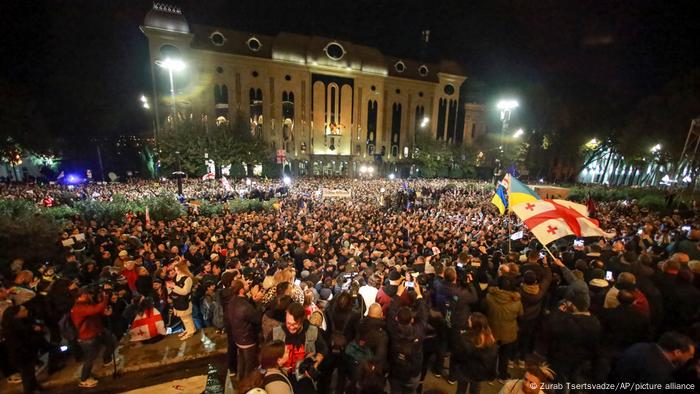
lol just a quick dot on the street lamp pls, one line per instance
(171, 65)
(178, 174)
(518, 133)
(655, 148)
(506, 107)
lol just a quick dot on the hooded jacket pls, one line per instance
(503, 309)
(532, 295)
(377, 339)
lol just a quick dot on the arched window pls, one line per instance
(256, 110)
(224, 94)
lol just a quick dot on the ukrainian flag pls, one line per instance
(519, 193)
(510, 192)
(500, 199)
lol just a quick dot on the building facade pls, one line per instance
(330, 104)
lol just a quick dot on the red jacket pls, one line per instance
(87, 319)
(131, 276)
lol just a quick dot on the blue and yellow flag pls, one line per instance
(510, 192)
(500, 199)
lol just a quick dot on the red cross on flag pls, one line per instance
(147, 325)
(550, 220)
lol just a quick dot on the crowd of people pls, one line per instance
(367, 293)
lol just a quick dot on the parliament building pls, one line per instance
(330, 105)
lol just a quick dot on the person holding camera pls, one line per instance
(407, 332)
(244, 325)
(86, 316)
(180, 291)
(303, 341)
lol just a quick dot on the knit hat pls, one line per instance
(598, 278)
(580, 301)
(326, 294)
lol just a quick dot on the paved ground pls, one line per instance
(173, 366)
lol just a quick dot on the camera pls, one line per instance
(307, 367)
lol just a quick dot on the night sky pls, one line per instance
(83, 64)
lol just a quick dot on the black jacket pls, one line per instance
(533, 296)
(377, 338)
(623, 326)
(572, 338)
(643, 363)
(472, 363)
(402, 335)
(244, 321)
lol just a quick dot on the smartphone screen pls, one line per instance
(608, 275)
(460, 265)
(297, 282)
(408, 284)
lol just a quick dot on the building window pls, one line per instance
(334, 51)
(170, 51)
(394, 150)
(373, 88)
(398, 91)
(255, 74)
(256, 111)
(423, 70)
(287, 77)
(420, 94)
(253, 44)
(449, 90)
(219, 69)
(217, 38)
(399, 66)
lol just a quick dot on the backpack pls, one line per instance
(338, 339)
(406, 354)
(67, 328)
(217, 312)
(355, 355)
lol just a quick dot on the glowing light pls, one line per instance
(392, 176)
(287, 180)
(655, 148)
(507, 105)
(171, 64)
(687, 179)
(143, 99)
(424, 122)
(518, 133)
(370, 170)
(363, 169)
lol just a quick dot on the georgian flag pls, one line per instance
(208, 176)
(550, 220)
(147, 325)
(226, 184)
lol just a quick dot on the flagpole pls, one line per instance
(548, 251)
(510, 231)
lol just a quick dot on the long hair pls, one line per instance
(183, 269)
(480, 331)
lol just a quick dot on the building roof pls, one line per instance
(166, 17)
(317, 51)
